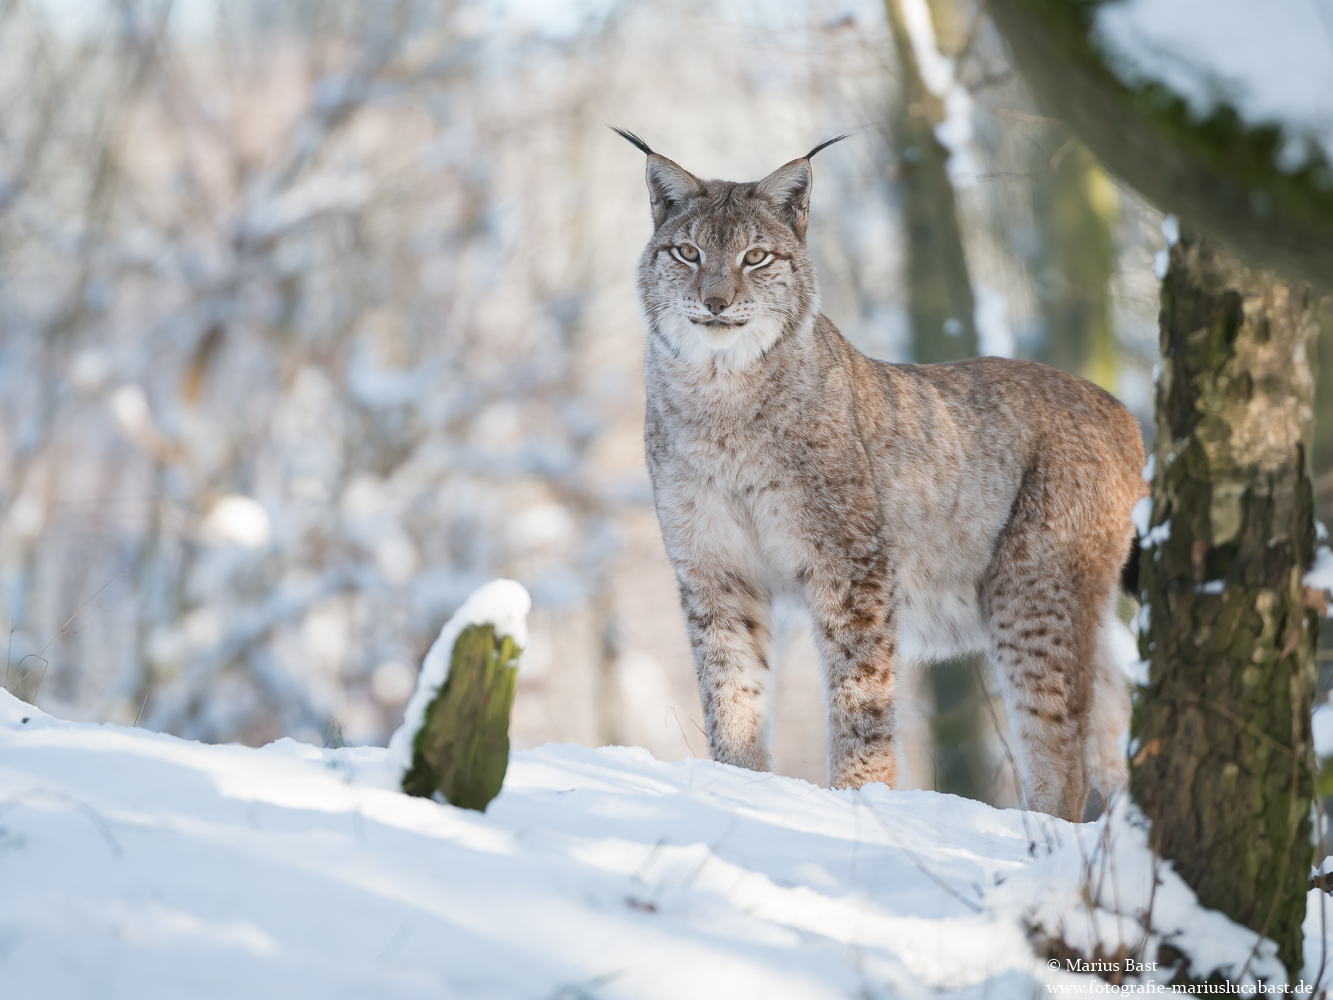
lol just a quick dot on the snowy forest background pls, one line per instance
(314, 316)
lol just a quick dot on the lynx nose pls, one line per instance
(716, 305)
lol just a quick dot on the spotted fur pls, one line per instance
(917, 510)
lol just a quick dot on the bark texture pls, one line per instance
(462, 749)
(1222, 733)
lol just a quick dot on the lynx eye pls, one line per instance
(687, 252)
(756, 256)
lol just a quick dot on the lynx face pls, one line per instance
(724, 276)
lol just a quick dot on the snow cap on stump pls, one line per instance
(503, 604)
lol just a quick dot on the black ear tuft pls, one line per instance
(634, 140)
(823, 145)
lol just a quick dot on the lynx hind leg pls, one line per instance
(729, 625)
(1110, 708)
(1047, 699)
(1042, 640)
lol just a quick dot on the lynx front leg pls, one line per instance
(856, 638)
(729, 626)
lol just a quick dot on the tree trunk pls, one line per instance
(939, 291)
(940, 307)
(1075, 206)
(1321, 455)
(1222, 732)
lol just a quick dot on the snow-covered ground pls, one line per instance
(134, 864)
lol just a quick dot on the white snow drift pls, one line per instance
(135, 864)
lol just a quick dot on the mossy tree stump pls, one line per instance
(462, 748)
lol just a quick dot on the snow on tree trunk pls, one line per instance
(455, 733)
(939, 290)
(1221, 734)
(941, 307)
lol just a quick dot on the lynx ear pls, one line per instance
(788, 189)
(670, 186)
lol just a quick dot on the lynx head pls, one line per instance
(726, 274)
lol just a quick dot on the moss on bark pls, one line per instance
(462, 748)
(1222, 732)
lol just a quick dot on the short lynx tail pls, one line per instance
(1129, 573)
(1110, 711)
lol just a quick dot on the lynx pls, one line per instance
(920, 511)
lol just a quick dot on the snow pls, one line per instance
(1271, 62)
(140, 865)
(129, 407)
(990, 315)
(1321, 729)
(1140, 623)
(1156, 536)
(1161, 260)
(1171, 229)
(238, 520)
(1138, 671)
(1141, 514)
(1321, 573)
(502, 603)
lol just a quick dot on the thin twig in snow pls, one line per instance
(93, 816)
(688, 748)
(62, 631)
(920, 865)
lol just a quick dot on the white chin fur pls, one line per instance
(731, 347)
(719, 338)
